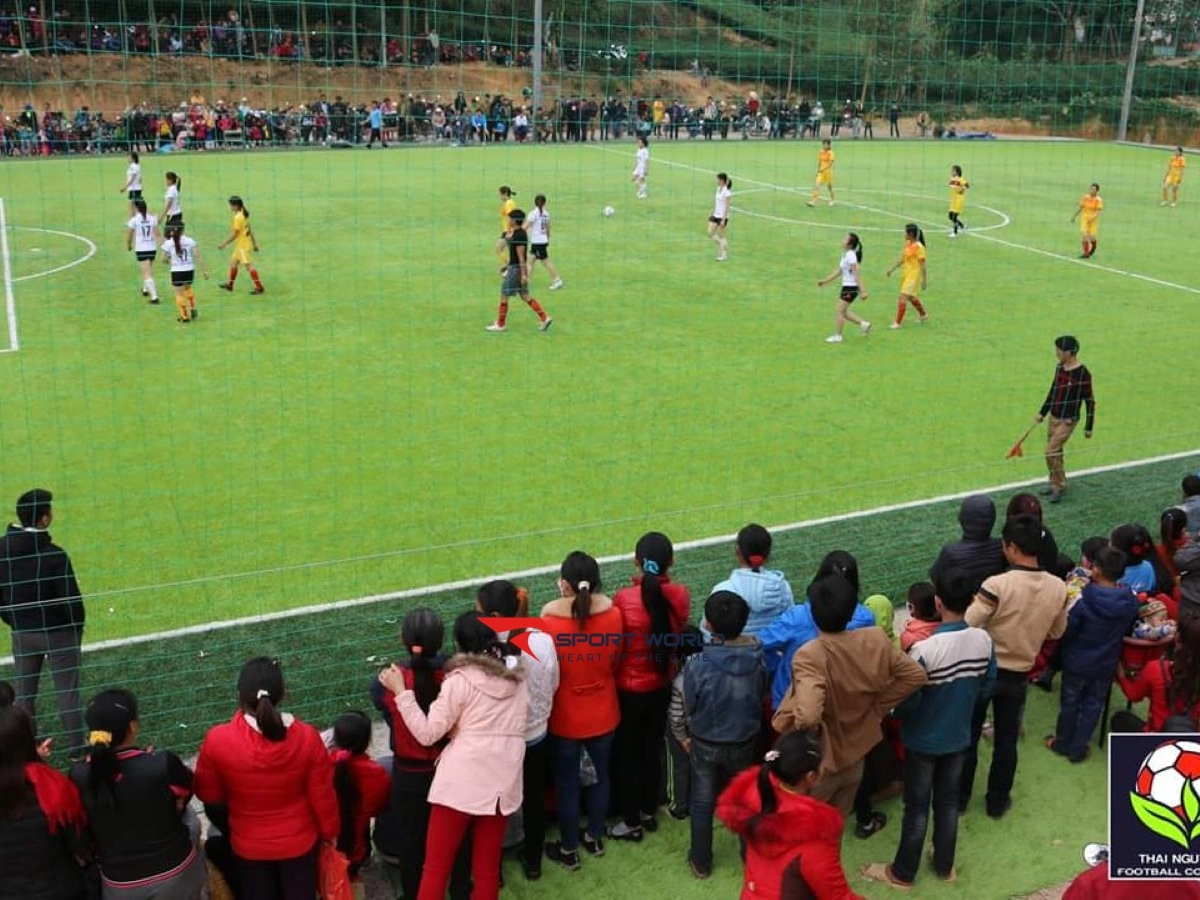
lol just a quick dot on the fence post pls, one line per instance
(1127, 100)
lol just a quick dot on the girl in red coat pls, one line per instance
(363, 788)
(273, 773)
(654, 610)
(793, 842)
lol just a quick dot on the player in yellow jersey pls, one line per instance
(912, 274)
(507, 205)
(958, 199)
(1174, 177)
(825, 161)
(1088, 213)
(243, 240)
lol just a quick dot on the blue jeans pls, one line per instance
(713, 767)
(1008, 711)
(565, 756)
(1080, 712)
(937, 779)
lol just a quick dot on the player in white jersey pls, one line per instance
(641, 168)
(852, 288)
(142, 240)
(183, 256)
(538, 226)
(173, 210)
(133, 180)
(719, 220)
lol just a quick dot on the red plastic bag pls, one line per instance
(333, 875)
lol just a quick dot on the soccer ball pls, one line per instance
(609, 212)
(1165, 774)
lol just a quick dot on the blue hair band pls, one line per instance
(650, 567)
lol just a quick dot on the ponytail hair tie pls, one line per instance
(417, 649)
(340, 756)
(756, 560)
(650, 567)
(262, 694)
(584, 586)
(771, 756)
(100, 739)
(522, 595)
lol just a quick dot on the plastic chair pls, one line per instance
(1136, 654)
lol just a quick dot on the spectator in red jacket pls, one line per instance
(273, 773)
(1171, 685)
(792, 841)
(654, 611)
(363, 787)
(585, 712)
(41, 819)
(1094, 884)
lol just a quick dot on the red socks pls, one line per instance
(502, 315)
(233, 270)
(901, 309)
(917, 304)
(537, 308)
(254, 277)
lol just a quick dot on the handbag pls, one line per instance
(333, 874)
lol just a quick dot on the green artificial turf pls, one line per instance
(356, 431)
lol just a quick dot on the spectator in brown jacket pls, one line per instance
(844, 682)
(1020, 609)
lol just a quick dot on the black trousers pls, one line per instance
(535, 778)
(410, 802)
(637, 752)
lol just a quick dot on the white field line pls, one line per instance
(92, 250)
(10, 303)
(429, 590)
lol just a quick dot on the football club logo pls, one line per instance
(1154, 806)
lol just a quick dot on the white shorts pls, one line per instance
(639, 172)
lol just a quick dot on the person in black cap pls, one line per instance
(1071, 388)
(41, 602)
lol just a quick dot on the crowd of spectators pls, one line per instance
(782, 720)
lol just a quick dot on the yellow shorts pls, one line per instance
(909, 285)
(241, 256)
(1088, 229)
(957, 207)
(824, 178)
(1173, 180)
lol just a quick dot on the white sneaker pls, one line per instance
(834, 339)
(556, 284)
(923, 320)
(810, 203)
(722, 258)
(1162, 203)
(545, 326)
(1172, 205)
(952, 234)
(866, 328)
(895, 326)
(496, 326)
(831, 203)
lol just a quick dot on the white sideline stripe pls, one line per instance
(1086, 263)
(10, 303)
(414, 593)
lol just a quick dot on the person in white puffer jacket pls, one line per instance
(766, 591)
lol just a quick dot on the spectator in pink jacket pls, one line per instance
(482, 706)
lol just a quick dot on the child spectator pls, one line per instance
(1153, 623)
(723, 690)
(796, 627)
(143, 830)
(1048, 662)
(884, 613)
(503, 598)
(273, 773)
(585, 711)
(1144, 574)
(1091, 649)
(977, 553)
(477, 784)
(1029, 505)
(923, 617)
(843, 682)
(960, 662)
(423, 635)
(363, 788)
(1171, 685)
(766, 591)
(654, 611)
(41, 818)
(679, 766)
(792, 840)
(1019, 609)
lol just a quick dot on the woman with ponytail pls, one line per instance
(41, 819)
(144, 832)
(274, 775)
(765, 590)
(363, 788)
(590, 632)
(506, 600)
(1144, 572)
(1172, 530)
(483, 705)
(654, 611)
(182, 254)
(423, 634)
(792, 841)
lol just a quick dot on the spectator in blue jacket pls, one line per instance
(1091, 651)
(723, 690)
(960, 662)
(766, 591)
(795, 628)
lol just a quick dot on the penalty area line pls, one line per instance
(10, 303)
(538, 571)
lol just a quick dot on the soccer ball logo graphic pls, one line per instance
(1166, 798)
